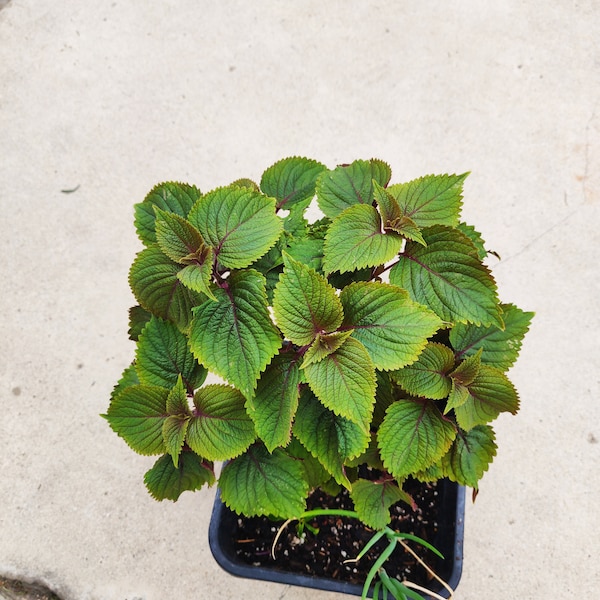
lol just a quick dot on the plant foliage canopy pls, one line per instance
(372, 337)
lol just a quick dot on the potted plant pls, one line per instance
(362, 352)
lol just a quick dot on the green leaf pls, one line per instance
(177, 198)
(162, 355)
(247, 183)
(138, 317)
(448, 277)
(413, 436)
(428, 377)
(291, 180)
(466, 372)
(271, 265)
(137, 414)
(500, 347)
(221, 428)
(165, 481)
(314, 472)
(388, 207)
(384, 397)
(393, 329)
(475, 238)
(177, 400)
(128, 378)
(153, 280)
(304, 303)
(294, 223)
(370, 456)
(490, 393)
(260, 483)
(328, 437)
(356, 240)
(239, 223)
(174, 431)
(431, 200)
(197, 277)
(470, 456)
(341, 280)
(234, 336)
(308, 251)
(176, 237)
(344, 382)
(432, 473)
(350, 184)
(274, 405)
(392, 217)
(324, 344)
(373, 499)
(408, 229)
(459, 394)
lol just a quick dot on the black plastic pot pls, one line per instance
(449, 541)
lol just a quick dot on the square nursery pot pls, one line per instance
(242, 546)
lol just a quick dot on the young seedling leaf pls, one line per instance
(305, 304)
(197, 276)
(392, 217)
(428, 376)
(137, 414)
(356, 240)
(162, 355)
(389, 209)
(408, 229)
(275, 402)
(490, 393)
(234, 336)
(500, 347)
(350, 184)
(459, 394)
(466, 372)
(177, 400)
(166, 481)
(262, 483)
(221, 428)
(291, 181)
(413, 436)
(392, 327)
(344, 382)
(153, 280)
(325, 344)
(238, 223)
(174, 430)
(431, 200)
(373, 499)
(447, 276)
(176, 237)
(470, 456)
(328, 437)
(177, 198)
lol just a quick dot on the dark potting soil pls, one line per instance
(340, 538)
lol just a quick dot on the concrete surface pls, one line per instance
(113, 96)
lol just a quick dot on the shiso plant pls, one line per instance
(372, 337)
